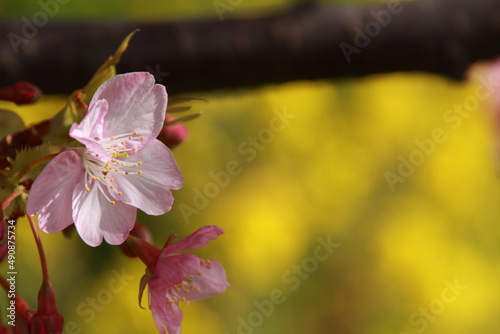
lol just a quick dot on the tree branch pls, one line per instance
(306, 42)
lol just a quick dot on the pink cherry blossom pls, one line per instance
(175, 278)
(121, 168)
(173, 135)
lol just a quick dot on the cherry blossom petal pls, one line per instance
(196, 240)
(210, 282)
(95, 217)
(136, 104)
(51, 193)
(90, 128)
(171, 270)
(167, 316)
(149, 191)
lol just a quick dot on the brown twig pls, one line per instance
(305, 42)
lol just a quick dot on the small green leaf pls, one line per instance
(25, 157)
(178, 100)
(107, 70)
(77, 104)
(10, 122)
(179, 109)
(184, 119)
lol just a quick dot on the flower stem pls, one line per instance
(148, 253)
(43, 261)
(6, 202)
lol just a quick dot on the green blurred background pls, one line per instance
(323, 176)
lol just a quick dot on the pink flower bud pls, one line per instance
(173, 135)
(22, 92)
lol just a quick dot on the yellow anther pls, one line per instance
(130, 137)
(113, 202)
(111, 186)
(88, 189)
(139, 172)
(134, 149)
(142, 138)
(111, 180)
(200, 273)
(126, 173)
(140, 163)
(112, 137)
(122, 142)
(135, 133)
(186, 290)
(120, 193)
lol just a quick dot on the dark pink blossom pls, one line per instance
(174, 277)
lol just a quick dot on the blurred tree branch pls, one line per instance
(309, 41)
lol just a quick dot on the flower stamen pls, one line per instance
(97, 171)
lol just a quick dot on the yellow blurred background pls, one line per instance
(358, 206)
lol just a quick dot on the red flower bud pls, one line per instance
(46, 319)
(23, 316)
(29, 137)
(22, 92)
(47, 324)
